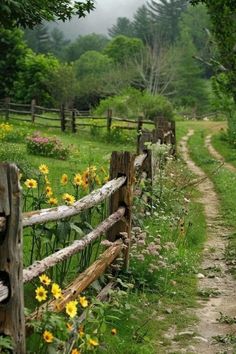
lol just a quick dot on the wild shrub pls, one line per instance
(47, 146)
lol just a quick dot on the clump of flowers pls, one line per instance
(47, 146)
(5, 129)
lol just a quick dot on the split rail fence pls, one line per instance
(66, 119)
(117, 227)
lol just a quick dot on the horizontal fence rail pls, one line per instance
(39, 267)
(64, 211)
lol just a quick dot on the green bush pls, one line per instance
(131, 103)
(47, 146)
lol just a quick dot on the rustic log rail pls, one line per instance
(39, 267)
(64, 211)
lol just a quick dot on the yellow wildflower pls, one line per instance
(49, 192)
(83, 301)
(41, 294)
(45, 279)
(64, 179)
(53, 201)
(93, 342)
(69, 326)
(31, 183)
(75, 351)
(47, 180)
(43, 169)
(48, 336)
(56, 291)
(71, 308)
(68, 198)
(114, 331)
(78, 181)
(81, 331)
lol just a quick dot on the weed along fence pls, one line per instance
(66, 119)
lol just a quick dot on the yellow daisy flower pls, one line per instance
(49, 192)
(31, 183)
(41, 294)
(56, 291)
(75, 351)
(45, 279)
(48, 336)
(68, 198)
(71, 308)
(64, 179)
(53, 201)
(114, 331)
(44, 169)
(83, 301)
(93, 342)
(78, 181)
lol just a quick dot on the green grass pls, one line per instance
(225, 184)
(221, 144)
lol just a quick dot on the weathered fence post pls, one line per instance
(139, 131)
(122, 164)
(12, 321)
(7, 107)
(63, 118)
(33, 104)
(73, 120)
(109, 120)
(146, 137)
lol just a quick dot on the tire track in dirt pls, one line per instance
(216, 154)
(217, 278)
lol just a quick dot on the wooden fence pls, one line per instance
(65, 119)
(117, 227)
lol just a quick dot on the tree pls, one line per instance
(63, 85)
(32, 80)
(84, 44)
(189, 84)
(58, 43)
(13, 51)
(223, 14)
(123, 27)
(166, 14)
(38, 39)
(122, 48)
(27, 13)
(143, 26)
(91, 70)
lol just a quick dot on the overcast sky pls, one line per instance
(102, 18)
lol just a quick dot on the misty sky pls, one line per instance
(102, 18)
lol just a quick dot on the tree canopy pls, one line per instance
(27, 13)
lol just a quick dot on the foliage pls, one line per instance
(143, 26)
(91, 71)
(47, 146)
(188, 70)
(6, 344)
(91, 42)
(132, 103)
(122, 48)
(33, 78)
(122, 27)
(5, 130)
(63, 85)
(13, 51)
(166, 15)
(28, 14)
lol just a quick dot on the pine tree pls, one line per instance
(166, 14)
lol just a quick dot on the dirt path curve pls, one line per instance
(216, 154)
(217, 280)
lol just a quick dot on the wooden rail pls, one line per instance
(64, 211)
(37, 113)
